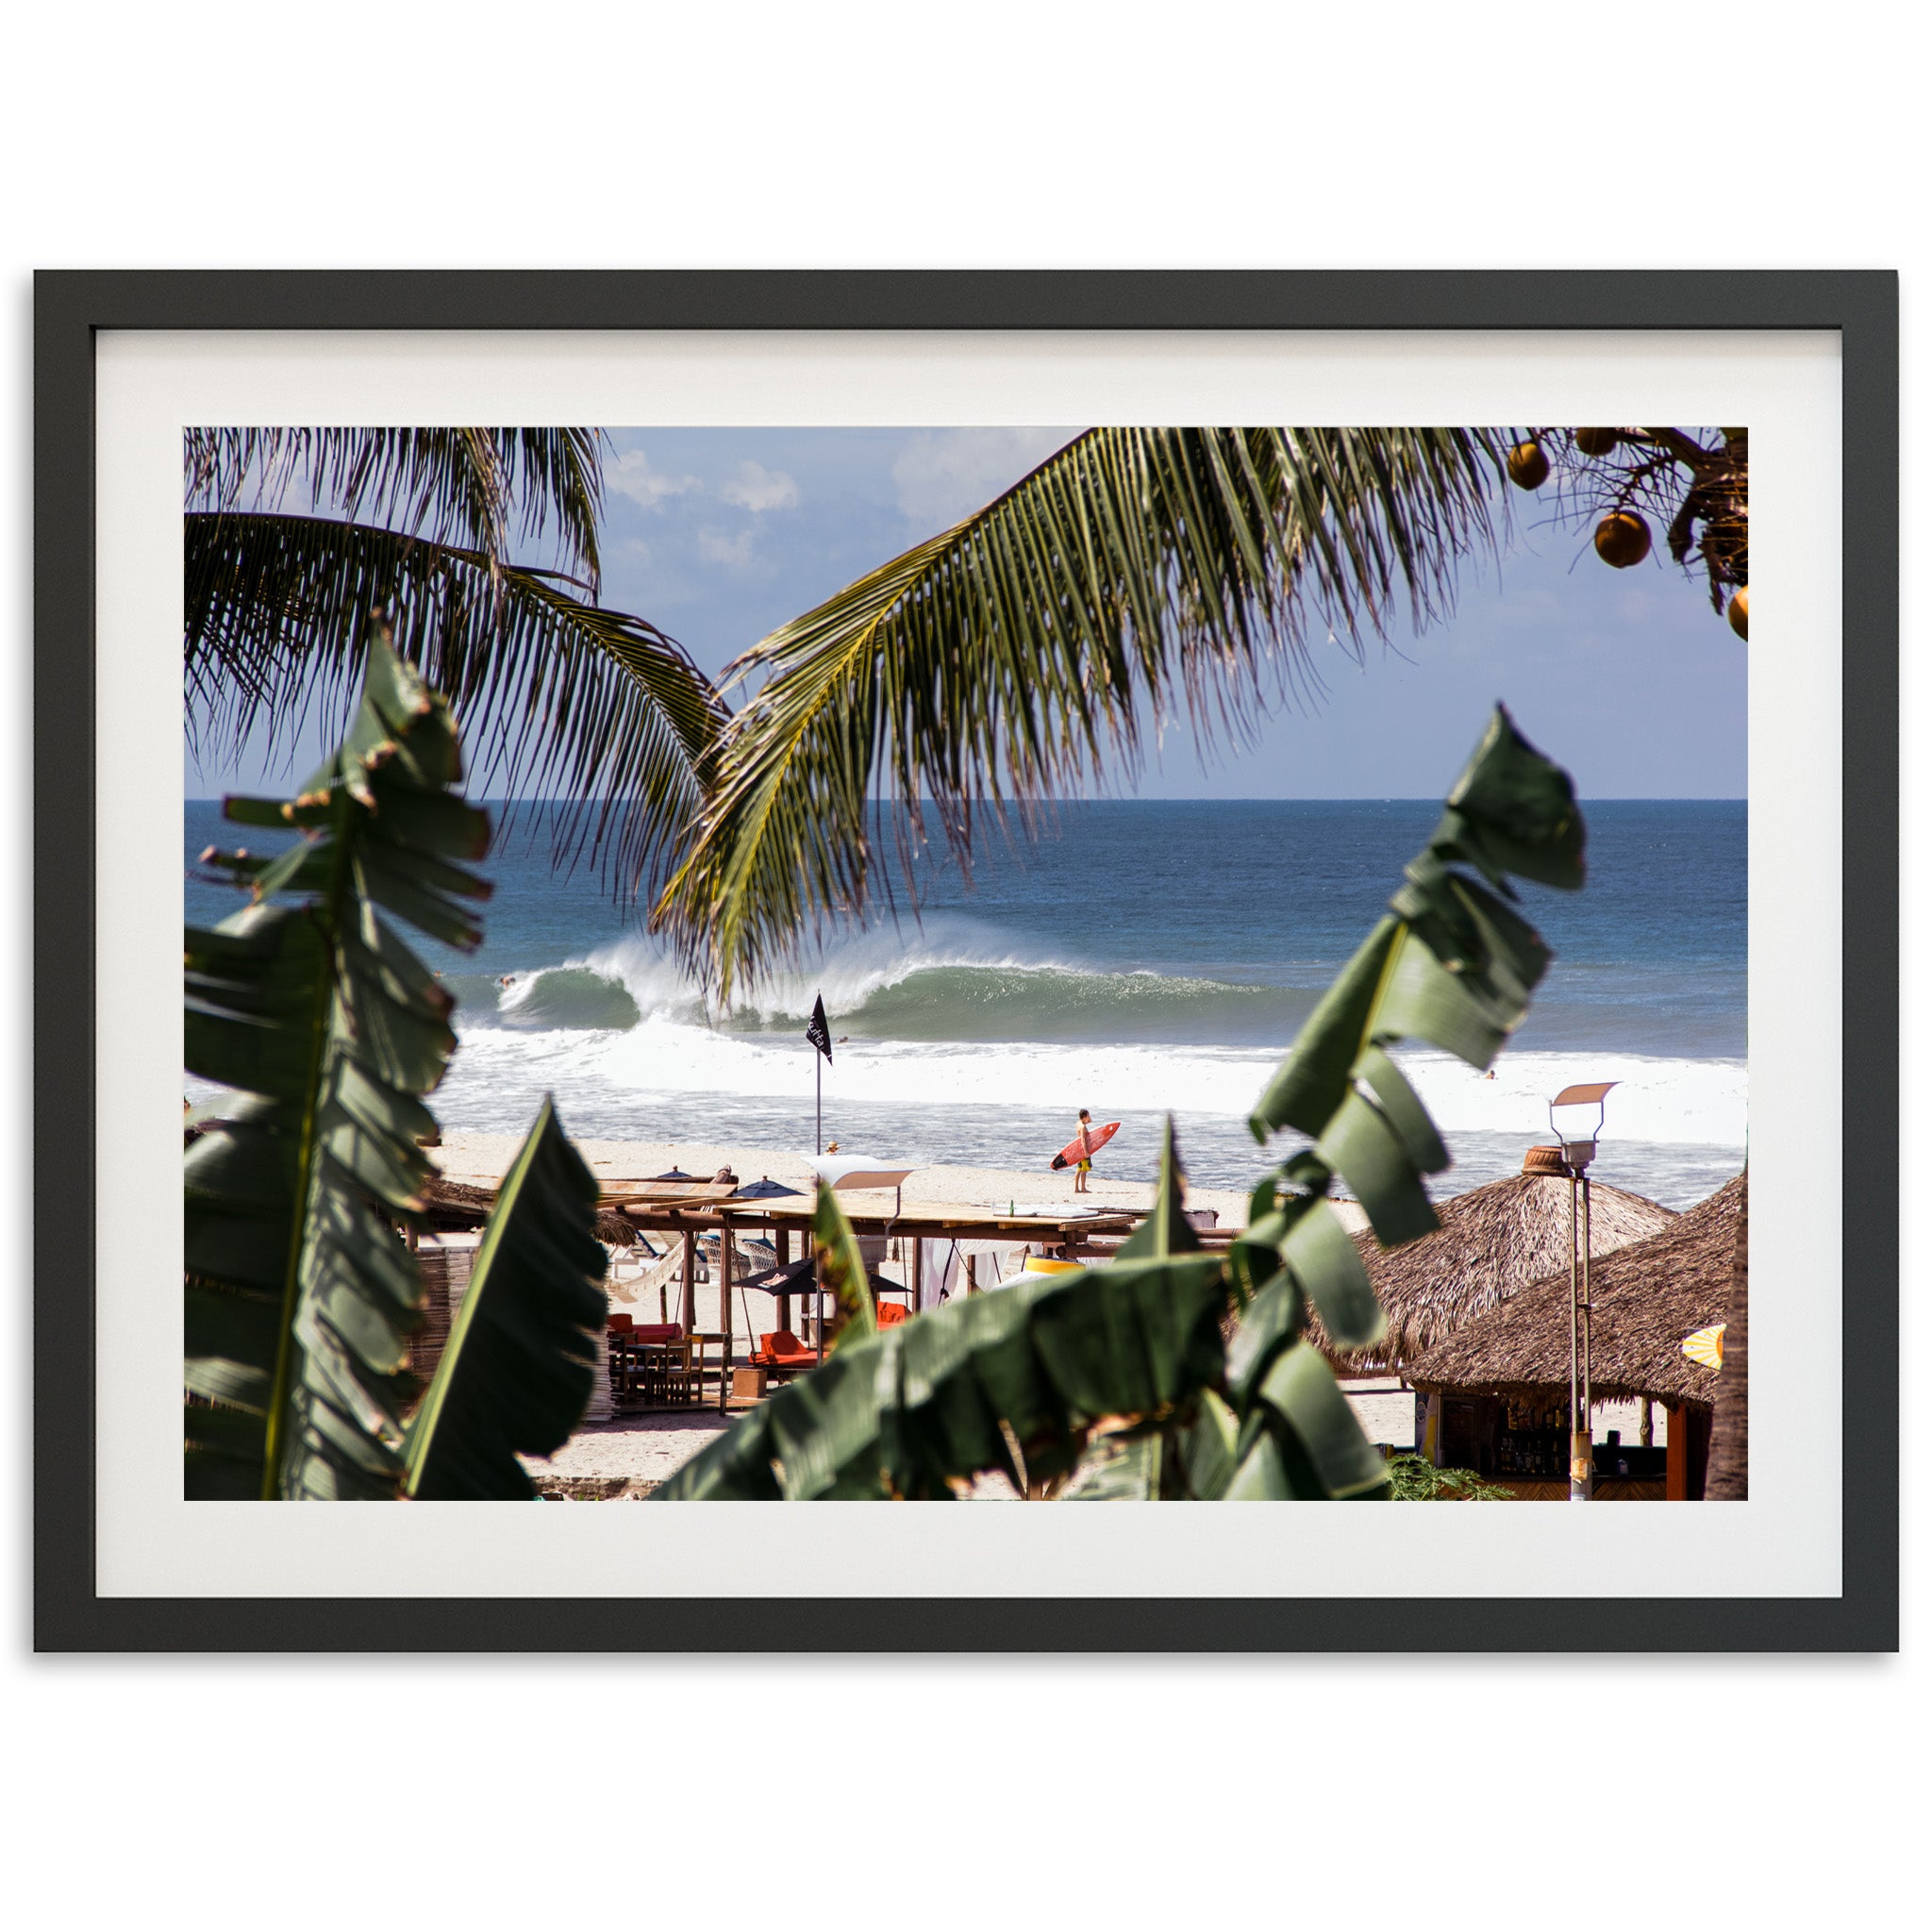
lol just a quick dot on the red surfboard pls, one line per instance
(1097, 1138)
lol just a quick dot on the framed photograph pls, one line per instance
(933, 888)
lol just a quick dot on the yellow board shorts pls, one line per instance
(1085, 1166)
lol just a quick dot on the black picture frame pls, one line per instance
(72, 306)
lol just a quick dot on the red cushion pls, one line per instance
(658, 1331)
(891, 1314)
(782, 1349)
(618, 1324)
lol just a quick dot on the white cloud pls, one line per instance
(632, 476)
(757, 489)
(944, 475)
(731, 553)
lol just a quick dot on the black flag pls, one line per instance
(818, 1032)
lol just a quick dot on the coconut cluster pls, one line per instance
(1622, 536)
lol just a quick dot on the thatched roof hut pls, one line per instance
(1645, 1300)
(1493, 1242)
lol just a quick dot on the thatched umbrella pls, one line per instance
(1645, 1300)
(1493, 1242)
(456, 1207)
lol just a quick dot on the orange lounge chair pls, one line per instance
(891, 1314)
(783, 1350)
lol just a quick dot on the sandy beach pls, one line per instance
(484, 1159)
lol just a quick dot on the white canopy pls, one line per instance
(855, 1171)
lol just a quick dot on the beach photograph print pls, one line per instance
(965, 964)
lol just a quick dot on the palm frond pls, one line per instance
(451, 485)
(556, 697)
(1135, 576)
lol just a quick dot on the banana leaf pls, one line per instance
(1011, 1381)
(522, 1354)
(1117, 1379)
(1453, 963)
(300, 1290)
(842, 1269)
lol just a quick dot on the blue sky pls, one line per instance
(1628, 677)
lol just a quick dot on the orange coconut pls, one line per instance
(1622, 539)
(1529, 469)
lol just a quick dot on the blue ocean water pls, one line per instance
(1143, 957)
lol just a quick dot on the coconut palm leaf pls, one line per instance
(522, 1354)
(565, 699)
(300, 1294)
(451, 485)
(1135, 576)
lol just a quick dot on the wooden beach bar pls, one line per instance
(719, 1230)
(742, 1242)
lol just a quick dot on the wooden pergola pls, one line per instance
(691, 1211)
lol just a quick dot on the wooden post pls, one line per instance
(972, 1275)
(689, 1311)
(724, 1311)
(781, 1243)
(1677, 1455)
(1643, 1428)
(915, 1275)
(1696, 1453)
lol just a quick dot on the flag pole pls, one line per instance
(820, 1033)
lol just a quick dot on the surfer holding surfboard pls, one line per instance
(1079, 1153)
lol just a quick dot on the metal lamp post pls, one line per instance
(1578, 1156)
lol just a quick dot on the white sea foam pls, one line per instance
(625, 1023)
(1656, 1100)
